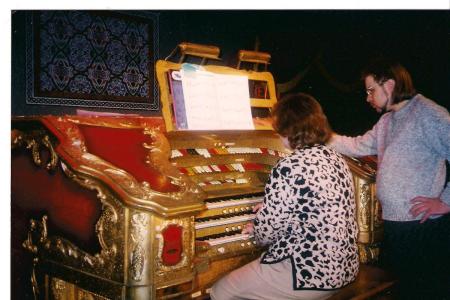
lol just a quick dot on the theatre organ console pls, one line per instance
(129, 207)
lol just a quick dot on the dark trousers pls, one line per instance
(419, 255)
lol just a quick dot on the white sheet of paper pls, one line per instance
(216, 101)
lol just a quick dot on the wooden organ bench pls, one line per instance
(130, 207)
(371, 282)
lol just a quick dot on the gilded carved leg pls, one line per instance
(37, 233)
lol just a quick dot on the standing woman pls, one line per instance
(307, 219)
(412, 141)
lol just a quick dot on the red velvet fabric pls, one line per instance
(72, 211)
(173, 246)
(124, 149)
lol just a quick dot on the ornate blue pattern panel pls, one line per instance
(93, 58)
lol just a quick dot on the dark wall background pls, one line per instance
(342, 41)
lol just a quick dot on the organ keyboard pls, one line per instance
(237, 167)
(214, 241)
(214, 225)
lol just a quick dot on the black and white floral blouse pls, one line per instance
(308, 216)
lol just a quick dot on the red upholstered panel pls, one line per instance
(124, 149)
(173, 246)
(72, 210)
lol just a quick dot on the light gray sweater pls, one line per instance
(412, 145)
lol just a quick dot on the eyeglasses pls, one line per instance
(369, 90)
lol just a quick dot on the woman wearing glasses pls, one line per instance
(412, 141)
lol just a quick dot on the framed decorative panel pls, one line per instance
(92, 59)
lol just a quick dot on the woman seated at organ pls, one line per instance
(307, 219)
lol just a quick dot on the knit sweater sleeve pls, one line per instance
(362, 145)
(436, 127)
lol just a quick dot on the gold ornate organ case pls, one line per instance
(128, 207)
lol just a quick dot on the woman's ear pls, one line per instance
(390, 85)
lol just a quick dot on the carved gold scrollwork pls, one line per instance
(139, 231)
(33, 145)
(62, 290)
(364, 208)
(108, 219)
(53, 156)
(141, 190)
(72, 132)
(83, 295)
(159, 156)
(363, 255)
(86, 295)
(33, 142)
(43, 246)
(59, 288)
(377, 214)
(36, 235)
(368, 253)
(16, 138)
(28, 243)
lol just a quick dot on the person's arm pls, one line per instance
(272, 220)
(362, 145)
(436, 129)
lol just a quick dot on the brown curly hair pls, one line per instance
(300, 118)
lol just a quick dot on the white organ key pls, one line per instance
(176, 153)
(203, 152)
(215, 168)
(229, 239)
(207, 169)
(238, 167)
(198, 169)
(234, 202)
(224, 221)
(241, 180)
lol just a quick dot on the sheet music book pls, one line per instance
(215, 101)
